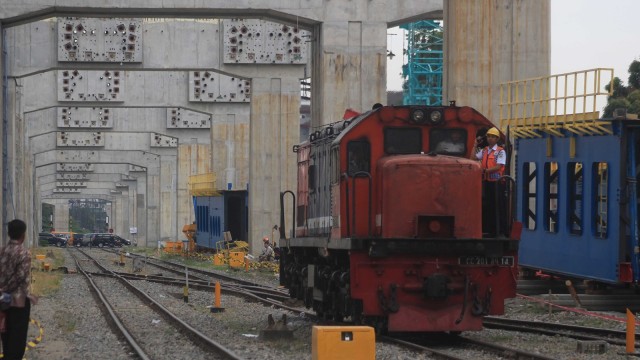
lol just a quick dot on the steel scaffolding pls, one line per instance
(423, 70)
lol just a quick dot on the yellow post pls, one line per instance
(246, 264)
(217, 294)
(185, 294)
(631, 332)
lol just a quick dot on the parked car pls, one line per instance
(105, 239)
(123, 241)
(49, 239)
(86, 239)
(70, 236)
(77, 240)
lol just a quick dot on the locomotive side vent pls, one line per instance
(434, 226)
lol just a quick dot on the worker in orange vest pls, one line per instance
(493, 159)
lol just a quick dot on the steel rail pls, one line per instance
(219, 348)
(153, 260)
(504, 351)
(615, 337)
(429, 351)
(123, 330)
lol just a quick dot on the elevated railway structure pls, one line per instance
(153, 95)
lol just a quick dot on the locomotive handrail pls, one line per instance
(509, 210)
(361, 174)
(283, 234)
(346, 189)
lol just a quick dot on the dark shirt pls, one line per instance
(15, 267)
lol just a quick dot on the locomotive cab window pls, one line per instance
(402, 141)
(358, 155)
(448, 141)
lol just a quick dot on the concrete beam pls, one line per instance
(305, 13)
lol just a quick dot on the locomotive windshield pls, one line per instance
(448, 141)
(402, 141)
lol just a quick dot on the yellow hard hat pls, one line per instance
(493, 131)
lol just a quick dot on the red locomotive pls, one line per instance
(388, 230)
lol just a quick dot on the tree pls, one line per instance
(619, 90)
(626, 97)
(634, 74)
(613, 104)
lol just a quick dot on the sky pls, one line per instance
(585, 34)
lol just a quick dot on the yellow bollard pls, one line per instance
(216, 307)
(631, 332)
(185, 294)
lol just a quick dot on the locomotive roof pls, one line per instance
(352, 122)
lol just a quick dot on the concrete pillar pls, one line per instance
(141, 211)
(3, 212)
(275, 123)
(168, 197)
(133, 209)
(193, 159)
(344, 58)
(491, 42)
(61, 215)
(109, 209)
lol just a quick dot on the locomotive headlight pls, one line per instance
(418, 116)
(435, 117)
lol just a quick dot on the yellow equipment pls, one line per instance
(343, 342)
(231, 252)
(189, 231)
(173, 247)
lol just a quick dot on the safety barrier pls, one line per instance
(203, 185)
(33, 343)
(551, 103)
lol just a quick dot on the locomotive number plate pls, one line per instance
(488, 261)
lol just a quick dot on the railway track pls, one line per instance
(455, 347)
(614, 337)
(149, 310)
(205, 281)
(462, 348)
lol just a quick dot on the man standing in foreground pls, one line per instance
(15, 268)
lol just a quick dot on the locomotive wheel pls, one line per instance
(378, 323)
(356, 312)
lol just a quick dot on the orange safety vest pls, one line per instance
(489, 160)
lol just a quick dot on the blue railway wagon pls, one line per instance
(578, 200)
(217, 214)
